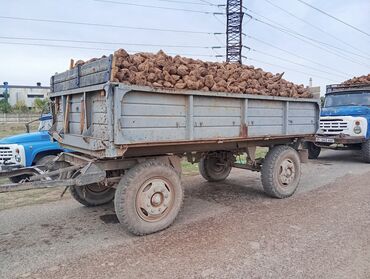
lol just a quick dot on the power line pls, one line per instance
(307, 40)
(204, 3)
(107, 49)
(290, 69)
(315, 27)
(296, 55)
(335, 18)
(108, 43)
(207, 2)
(285, 29)
(107, 25)
(157, 7)
(295, 63)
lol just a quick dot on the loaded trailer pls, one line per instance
(129, 141)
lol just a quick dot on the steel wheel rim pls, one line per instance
(97, 188)
(216, 166)
(287, 172)
(155, 199)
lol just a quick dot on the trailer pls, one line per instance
(129, 142)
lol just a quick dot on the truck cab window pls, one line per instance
(361, 98)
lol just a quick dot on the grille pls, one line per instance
(6, 153)
(333, 126)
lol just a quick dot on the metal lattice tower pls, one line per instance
(234, 31)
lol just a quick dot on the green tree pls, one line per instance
(40, 105)
(20, 106)
(5, 107)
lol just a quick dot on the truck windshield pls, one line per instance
(46, 122)
(349, 98)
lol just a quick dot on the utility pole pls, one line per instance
(234, 12)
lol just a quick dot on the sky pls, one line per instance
(25, 62)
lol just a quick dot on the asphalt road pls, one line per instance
(225, 230)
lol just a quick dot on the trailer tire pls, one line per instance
(313, 151)
(92, 195)
(366, 151)
(148, 197)
(212, 172)
(281, 172)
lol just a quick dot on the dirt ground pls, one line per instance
(229, 229)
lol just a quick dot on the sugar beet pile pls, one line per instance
(163, 71)
(358, 80)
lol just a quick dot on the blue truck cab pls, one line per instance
(344, 120)
(28, 149)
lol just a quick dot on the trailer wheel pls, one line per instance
(366, 151)
(148, 197)
(281, 172)
(313, 150)
(92, 195)
(213, 168)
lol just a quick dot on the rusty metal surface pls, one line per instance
(21, 171)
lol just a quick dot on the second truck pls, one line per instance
(344, 120)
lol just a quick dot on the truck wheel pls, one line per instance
(43, 161)
(281, 172)
(148, 197)
(92, 195)
(313, 150)
(19, 178)
(213, 169)
(366, 151)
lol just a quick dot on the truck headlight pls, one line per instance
(17, 158)
(357, 130)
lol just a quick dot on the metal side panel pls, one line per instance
(302, 118)
(149, 117)
(215, 117)
(152, 116)
(265, 117)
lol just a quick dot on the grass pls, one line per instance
(10, 129)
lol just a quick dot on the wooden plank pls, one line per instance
(67, 75)
(71, 64)
(66, 116)
(82, 115)
(66, 85)
(100, 65)
(96, 78)
(113, 68)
